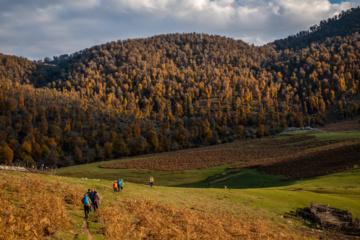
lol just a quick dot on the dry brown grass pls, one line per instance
(302, 157)
(184, 161)
(31, 208)
(145, 219)
(344, 125)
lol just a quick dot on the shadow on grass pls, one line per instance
(241, 179)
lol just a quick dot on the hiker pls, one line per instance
(151, 181)
(91, 196)
(89, 192)
(115, 186)
(121, 185)
(87, 202)
(118, 183)
(95, 198)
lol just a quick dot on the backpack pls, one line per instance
(115, 185)
(92, 196)
(86, 200)
(96, 197)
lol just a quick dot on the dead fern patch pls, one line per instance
(31, 208)
(145, 219)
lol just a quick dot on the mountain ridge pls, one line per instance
(169, 92)
(343, 24)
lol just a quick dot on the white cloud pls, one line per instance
(65, 26)
(83, 4)
(140, 5)
(219, 14)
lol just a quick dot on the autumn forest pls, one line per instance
(175, 91)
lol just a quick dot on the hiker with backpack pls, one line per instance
(121, 185)
(89, 195)
(95, 198)
(89, 192)
(151, 181)
(87, 202)
(118, 183)
(115, 186)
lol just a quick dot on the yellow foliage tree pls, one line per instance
(6, 154)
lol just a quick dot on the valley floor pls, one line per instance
(170, 212)
(192, 203)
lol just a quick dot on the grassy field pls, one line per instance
(340, 190)
(241, 178)
(247, 185)
(252, 196)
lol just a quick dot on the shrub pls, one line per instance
(32, 209)
(145, 219)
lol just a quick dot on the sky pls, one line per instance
(36, 29)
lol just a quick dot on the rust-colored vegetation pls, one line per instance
(145, 219)
(296, 157)
(31, 208)
(317, 163)
(341, 126)
(180, 162)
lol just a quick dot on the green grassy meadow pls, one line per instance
(250, 191)
(204, 178)
(247, 187)
(340, 190)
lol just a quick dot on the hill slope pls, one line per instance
(170, 92)
(344, 24)
(162, 212)
(292, 155)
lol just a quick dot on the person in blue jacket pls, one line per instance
(118, 183)
(87, 203)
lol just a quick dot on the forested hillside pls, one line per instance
(174, 91)
(346, 23)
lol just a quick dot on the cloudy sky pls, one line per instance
(44, 28)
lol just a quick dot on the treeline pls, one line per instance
(168, 92)
(343, 24)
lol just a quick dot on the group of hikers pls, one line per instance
(91, 198)
(118, 185)
(91, 201)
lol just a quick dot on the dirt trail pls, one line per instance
(85, 229)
